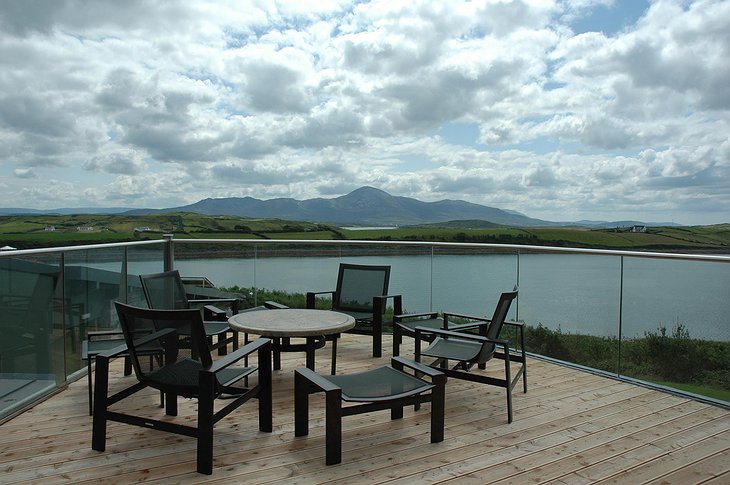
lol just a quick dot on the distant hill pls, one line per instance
(365, 206)
(64, 211)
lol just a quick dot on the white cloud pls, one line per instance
(182, 101)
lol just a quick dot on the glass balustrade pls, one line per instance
(658, 318)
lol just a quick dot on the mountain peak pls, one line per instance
(366, 206)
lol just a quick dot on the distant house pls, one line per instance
(638, 229)
(84, 228)
(49, 228)
(142, 229)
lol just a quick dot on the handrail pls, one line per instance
(511, 247)
(84, 247)
(359, 242)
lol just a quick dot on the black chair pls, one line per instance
(476, 343)
(362, 292)
(386, 387)
(97, 342)
(202, 379)
(166, 291)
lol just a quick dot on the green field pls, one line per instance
(26, 232)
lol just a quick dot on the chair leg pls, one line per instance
(90, 385)
(333, 427)
(98, 433)
(334, 353)
(508, 382)
(438, 409)
(205, 423)
(377, 336)
(265, 392)
(301, 405)
(397, 340)
(128, 366)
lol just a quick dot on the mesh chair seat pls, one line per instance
(388, 387)
(453, 349)
(184, 374)
(381, 384)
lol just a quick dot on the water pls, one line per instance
(576, 293)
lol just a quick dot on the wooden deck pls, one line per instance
(571, 427)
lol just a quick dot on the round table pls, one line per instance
(280, 325)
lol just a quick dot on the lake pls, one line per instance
(575, 293)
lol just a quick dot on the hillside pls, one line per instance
(365, 206)
(30, 231)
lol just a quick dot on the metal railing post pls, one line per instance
(169, 257)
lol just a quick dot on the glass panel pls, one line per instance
(675, 324)
(470, 281)
(31, 350)
(92, 284)
(146, 259)
(570, 304)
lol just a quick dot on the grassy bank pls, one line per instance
(26, 232)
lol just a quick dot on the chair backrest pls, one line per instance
(138, 323)
(164, 291)
(357, 284)
(495, 325)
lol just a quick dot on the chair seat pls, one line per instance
(358, 316)
(381, 384)
(91, 348)
(183, 376)
(215, 328)
(453, 349)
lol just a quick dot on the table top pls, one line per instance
(292, 322)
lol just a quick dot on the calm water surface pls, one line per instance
(576, 293)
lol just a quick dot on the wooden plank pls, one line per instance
(571, 427)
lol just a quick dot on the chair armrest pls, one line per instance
(140, 342)
(380, 303)
(239, 354)
(213, 300)
(111, 353)
(103, 333)
(311, 295)
(416, 366)
(467, 317)
(321, 382)
(273, 305)
(461, 335)
(514, 324)
(415, 315)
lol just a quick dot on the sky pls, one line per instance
(559, 109)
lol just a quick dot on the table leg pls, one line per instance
(310, 352)
(276, 347)
(334, 353)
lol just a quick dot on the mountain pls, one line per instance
(365, 206)
(64, 211)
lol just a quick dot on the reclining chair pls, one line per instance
(473, 344)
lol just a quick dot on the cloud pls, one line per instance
(160, 104)
(25, 173)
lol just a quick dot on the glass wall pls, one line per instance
(49, 302)
(662, 319)
(31, 347)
